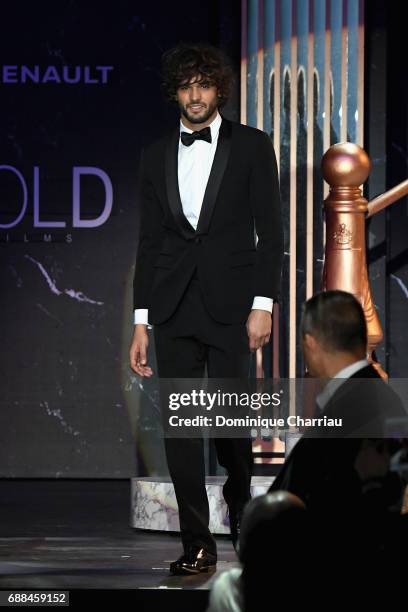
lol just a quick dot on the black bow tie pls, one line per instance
(187, 139)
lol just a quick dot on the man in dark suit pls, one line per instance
(342, 475)
(203, 282)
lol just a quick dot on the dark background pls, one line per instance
(69, 404)
(386, 141)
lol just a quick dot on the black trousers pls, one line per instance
(185, 344)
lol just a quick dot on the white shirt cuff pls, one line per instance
(262, 303)
(141, 316)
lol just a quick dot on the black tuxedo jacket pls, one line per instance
(242, 196)
(321, 470)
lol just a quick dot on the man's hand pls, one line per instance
(259, 327)
(138, 351)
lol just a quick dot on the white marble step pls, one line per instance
(154, 505)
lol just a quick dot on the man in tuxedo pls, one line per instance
(343, 475)
(202, 280)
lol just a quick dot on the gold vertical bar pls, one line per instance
(276, 93)
(276, 145)
(292, 205)
(259, 368)
(244, 59)
(327, 71)
(260, 69)
(326, 121)
(309, 156)
(360, 86)
(344, 60)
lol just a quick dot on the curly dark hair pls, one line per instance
(188, 60)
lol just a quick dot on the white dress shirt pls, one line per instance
(194, 167)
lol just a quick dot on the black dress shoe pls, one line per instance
(195, 561)
(235, 526)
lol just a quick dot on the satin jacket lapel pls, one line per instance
(214, 181)
(172, 186)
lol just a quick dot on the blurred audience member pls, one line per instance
(273, 541)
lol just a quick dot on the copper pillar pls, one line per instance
(346, 166)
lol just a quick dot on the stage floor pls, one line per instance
(138, 561)
(76, 535)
